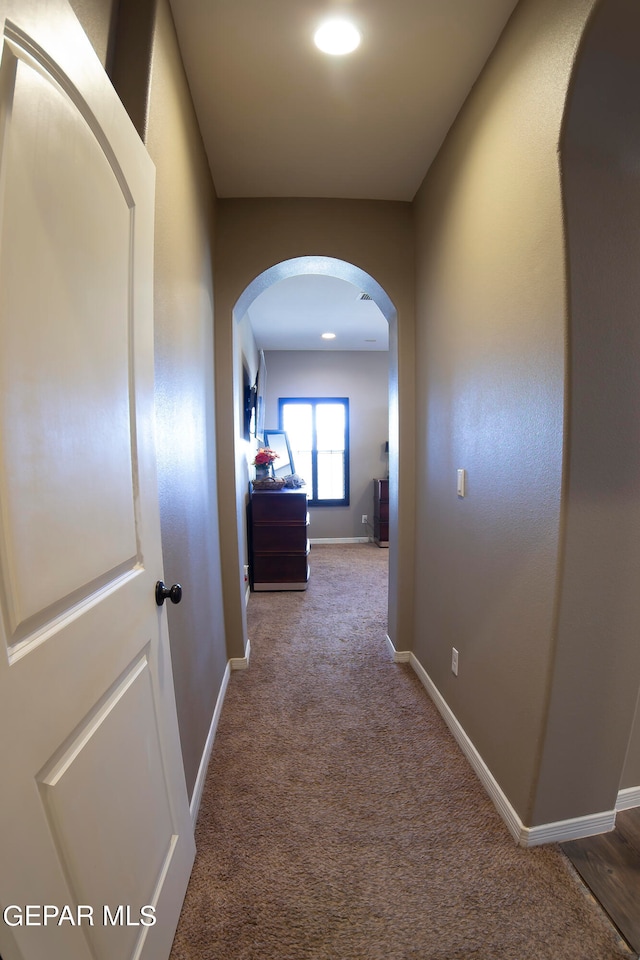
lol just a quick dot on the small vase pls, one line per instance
(262, 471)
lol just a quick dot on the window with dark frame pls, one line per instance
(318, 432)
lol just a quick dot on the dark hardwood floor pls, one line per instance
(610, 866)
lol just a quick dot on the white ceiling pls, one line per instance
(294, 313)
(280, 119)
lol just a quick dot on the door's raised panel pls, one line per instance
(118, 817)
(71, 453)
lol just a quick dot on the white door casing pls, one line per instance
(93, 804)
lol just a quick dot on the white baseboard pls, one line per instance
(194, 806)
(321, 540)
(235, 663)
(628, 798)
(559, 832)
(241, 663)
(399, 656)
(574, 829)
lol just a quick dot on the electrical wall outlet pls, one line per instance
(454, 661)
(365, 518)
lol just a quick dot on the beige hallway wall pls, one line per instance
(185, 229)
(491, 336)
(597, 666)
(147, 72)
(377, 237)
(482, 385)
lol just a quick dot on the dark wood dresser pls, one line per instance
(278, 542)
(381, 512)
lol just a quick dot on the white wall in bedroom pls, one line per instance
(363, 377)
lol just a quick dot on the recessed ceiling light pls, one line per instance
(328, 336)
(337, 37)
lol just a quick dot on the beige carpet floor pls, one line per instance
(340, 821)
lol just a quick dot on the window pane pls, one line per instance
(330, 426)
(302, 460)
(330, 475)
(318, 434)
(297, 420)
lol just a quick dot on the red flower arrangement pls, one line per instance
(264, 457)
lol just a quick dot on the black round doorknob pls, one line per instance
(163, 593)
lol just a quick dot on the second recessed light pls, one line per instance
(337, 37)
(328, 336)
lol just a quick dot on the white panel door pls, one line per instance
(96, 843)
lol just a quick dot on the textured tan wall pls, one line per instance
(254, 235)
(185, 205)
(597, 666)
(98, 19)
(491, 329)
(183, 293)
(631, 772)
(492, 393)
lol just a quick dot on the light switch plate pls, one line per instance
(462, 482)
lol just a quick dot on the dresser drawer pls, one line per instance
(280, 569)
(278, 541)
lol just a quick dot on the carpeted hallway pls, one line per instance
(340, 821)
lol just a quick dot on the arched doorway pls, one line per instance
(343, 270)
(317, 265)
